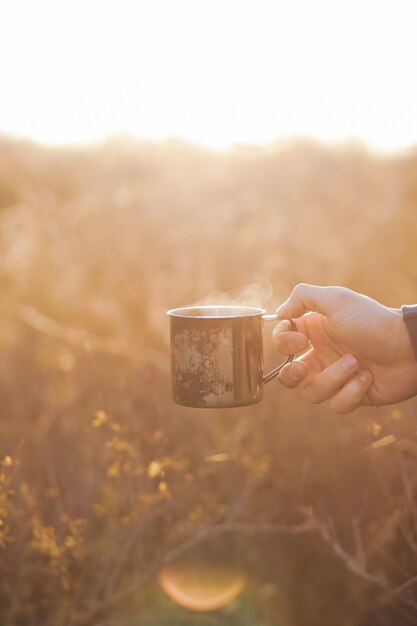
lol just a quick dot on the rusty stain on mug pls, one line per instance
(217, 355)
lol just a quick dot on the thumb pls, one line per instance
(305, 298)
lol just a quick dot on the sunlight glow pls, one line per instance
(201, 587)
(215, 72)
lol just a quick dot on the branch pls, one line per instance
(90, 341)
(360, 571)
(200, 536)
(238, 527)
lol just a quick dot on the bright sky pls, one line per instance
(216, 72)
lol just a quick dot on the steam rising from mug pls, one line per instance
(256, 294)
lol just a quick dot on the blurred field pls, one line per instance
(103, 479)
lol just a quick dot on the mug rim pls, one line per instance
(250, 311)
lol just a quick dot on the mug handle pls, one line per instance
(273, 317)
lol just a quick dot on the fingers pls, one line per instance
(289, 342)
(350, 396)
(327, 384)
(306, 298)
(292, 374)
(318, 384)
(343, 383)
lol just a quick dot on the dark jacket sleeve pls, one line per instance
(410, 318)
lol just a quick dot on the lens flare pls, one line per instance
(201, 587)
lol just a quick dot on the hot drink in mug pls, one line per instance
(217, 355)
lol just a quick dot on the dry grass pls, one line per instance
(103, 479)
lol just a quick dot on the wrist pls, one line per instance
(409, 315)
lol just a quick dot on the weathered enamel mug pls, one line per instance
(217, 355)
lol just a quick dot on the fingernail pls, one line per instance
(365, 376)
(281, 311)
(297, 370)
(350, 362)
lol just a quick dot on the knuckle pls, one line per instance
(338, 294)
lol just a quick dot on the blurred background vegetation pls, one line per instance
(104, 481)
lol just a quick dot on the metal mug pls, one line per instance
(217, 355)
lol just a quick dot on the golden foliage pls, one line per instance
(102, 477)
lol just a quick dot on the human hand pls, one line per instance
(359, 350)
